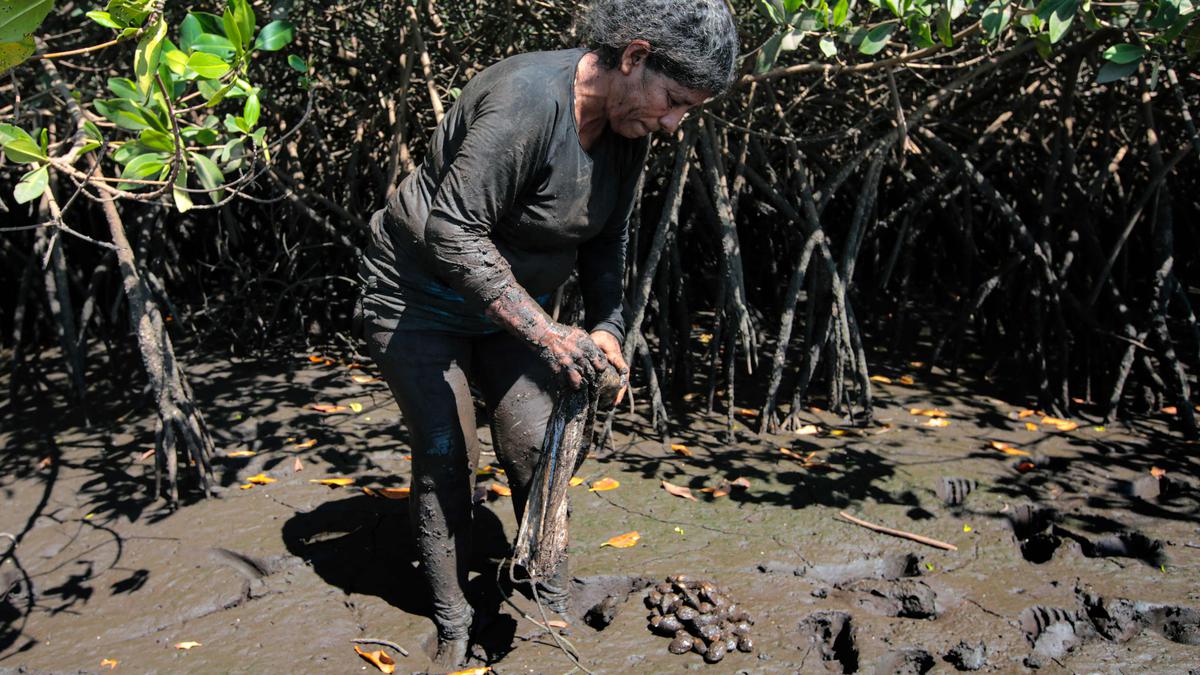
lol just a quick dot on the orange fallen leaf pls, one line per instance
(916, 364)
(604, 484)
(1008, 449)
(705, 338)
(297, 465)
(1170, 410)
(482, 670)
(327, 408)
(241, 453)
(690, 396)
(364, 379)
(938, 422)
(678, 490)
(623, 540)
(928, 412)
(46, 461)
(555, 623)
(905, 379)
(379, 659)
(1157, 472)
(881, 379)
(304, 445)
(837, 432)
(747, 412)
(246, 486)
(681, 449)
(146, 455)
(1025, 413)
(807, 430)
(187, 645)
(1060, 424)
(388, 493)
(1026, 466)
(316, 358)
(109, 663)
(261, 479)
(333, 482)
(715, 492)
(485, 470)
(502, 490)
(1030, 426)
(741, 483)
(352, 366)
(575, 480)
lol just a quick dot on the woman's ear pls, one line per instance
(634, 56)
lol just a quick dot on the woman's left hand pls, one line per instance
(607, 342)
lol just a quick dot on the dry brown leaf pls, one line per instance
(261, 479)
(623, 540)
(1008, 449)
(327, 408)
(807, 430)
(715, 492)
(1170, 410)
(928, 412)
(690, 396)
(1026, 466)
(1060, 424)
(555, 623)
(146, 455)
(747, 412)
(333, 482)
(111, 664)
(502, 490)
(905, 379)
(1025, 413)
(1157, 472)
(482, 670)
(379, 658)
(681, 449)
(604, 484)
(1030, 426)
(881, 379)
(916, 364)
(316, 358)
(364, 379)
(241, 453)
(575, 481)
(352, 366)
(304, 445)
(741, 483)
(938, 422)
(297, 465)
(187, 645)
(678, 490)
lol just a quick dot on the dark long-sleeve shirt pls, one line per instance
(506, 195)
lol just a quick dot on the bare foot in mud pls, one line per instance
(451, 656)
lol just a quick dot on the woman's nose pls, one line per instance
(670, 121)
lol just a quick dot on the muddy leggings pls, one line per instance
(428, 373)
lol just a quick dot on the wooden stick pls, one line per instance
(899, 533)
(381, 643)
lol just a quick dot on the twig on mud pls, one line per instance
(382, 643)
(899, 533)
(663, 520)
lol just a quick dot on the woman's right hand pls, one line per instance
(572, 354)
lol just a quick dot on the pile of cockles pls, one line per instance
(699, 617)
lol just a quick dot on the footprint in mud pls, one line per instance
(1121, 620)
(1032, 527)
(908, 661)
(1052, 632)
(954, 491)
(965, 656)
(831, 635)
(905, 599)
(1122, 545)
(889, 567)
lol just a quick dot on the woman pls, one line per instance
(532, 172)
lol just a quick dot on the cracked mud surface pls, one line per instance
(1081, 565)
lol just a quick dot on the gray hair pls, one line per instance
(694, 42)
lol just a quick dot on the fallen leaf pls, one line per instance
(747, 412)
(881, 379)
(261, 479)
(1026, 466)
(304, 445)
(678, 490)
(717, 492)
(1098, 428)
(187, 645)
(916, 364)
(502, 490)
(705, 338)
(316, 358)
(1157, 472)
(1170, 410)
(482, 670)
(678, 530)
(297, 465)
(575, 481)
(905, 379)
(938, 422)
(355, 406)
(327, 408)
(352, 366)
(109, 663)
(1078, 401)
(1030, 426)
(1025, 413)
(604, 484)
(623, 540)
(1008, 449)
(555, 623)
(742, 483)
(807, 430)
(967, 528)
(485, 470)
(46, 461)
(928, 412)
(1060, 424)
(146, 455)
(681, 449)
(241, 453)
(333, 482)
(837, 432)
(363, 379)
(246, 486)
(388, 493)
(379, 658)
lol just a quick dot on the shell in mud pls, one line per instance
(745, 643)
(687, 614)
(715, 653)
(681, 644)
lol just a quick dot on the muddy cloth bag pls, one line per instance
(542, 539)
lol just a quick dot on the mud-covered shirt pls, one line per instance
(506, 194)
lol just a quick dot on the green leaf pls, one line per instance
(944, 31)
(232, 31)
(771, 9)
(1058, 14)
(157, 140)
(275, 36)
(24, 151)
(145, 59)
(209, 174)
(183, 200)
(251, 110)
(129, 13)
(1124, 53)
(995, 19)
(143, 167)
(1112, 71)
(207, 66)
(32, 185)
(189, 30)
(792, 6)
(297, 64)
(894, 5)
(9, 133)
(199, 135)
(828, 46)
(123, 87)
(104, 19)
(244, 15)
(840, 11)
(13, 54)
(877, 39)
(216, 45)
(175, 60)
(768, 53)
(22, 17)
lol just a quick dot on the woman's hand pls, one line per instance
(572, 354)
(607, 342)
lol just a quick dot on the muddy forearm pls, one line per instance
(518, 313)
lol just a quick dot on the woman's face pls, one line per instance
(645, 100)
